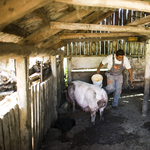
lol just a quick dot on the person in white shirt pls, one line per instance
(115, 64)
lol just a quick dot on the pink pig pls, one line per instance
(89, 97)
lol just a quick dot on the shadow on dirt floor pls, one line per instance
(121, 129)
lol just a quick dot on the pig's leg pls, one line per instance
(93, 116)
(101, 113)
(71, 90)
(73, 106)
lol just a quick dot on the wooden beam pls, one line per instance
(42, 15)
(125, 4)
(69, 66)
(91, 35)
(54, 74)
(24, 103)
(141, 21)
(55, 39)
(147, 80)
(14, 9)
(46, 31)
(10, 38)
(91, 17)
(95, 39)
(102, 17)
(15, 30)
(12, 50)
(62, 83)
(97, 20)
(113, 28)
(88, 19)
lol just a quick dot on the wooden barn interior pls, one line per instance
(46, 44)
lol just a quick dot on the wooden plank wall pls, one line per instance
(42, 110)
(120, 18)
(9, 124)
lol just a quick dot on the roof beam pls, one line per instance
(16, 30)
(94, 16)
(14, 9)
(55, 39)
(91, 35)
(125, 4)
(102, 17)
(113, 28)
(42, 15)
(45, 32)
(95, 39)
(12, 50)
(140, 22)
(98, 19)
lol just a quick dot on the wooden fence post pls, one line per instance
(147, 79)
(24, 102)
(54, 74)
(69, 70)
(62, 72)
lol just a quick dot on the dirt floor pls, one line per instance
(124, 129)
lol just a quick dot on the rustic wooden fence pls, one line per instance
(9, 123)
(43, 113)
(136, 49)
(101, 46)
(42, 110)
(43, 104)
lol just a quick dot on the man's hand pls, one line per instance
(100, 66)
(130, 73)
(98, 71)
(131, 80)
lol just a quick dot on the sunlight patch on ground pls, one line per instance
(135, 95)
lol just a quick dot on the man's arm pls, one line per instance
(130, 72)
(100, 66)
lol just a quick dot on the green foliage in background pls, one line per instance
(65, 72)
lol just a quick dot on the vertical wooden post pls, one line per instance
(54, 74)
(24, 102)
(69, 70)
(41, 71)
(62, 72)
(147, 79)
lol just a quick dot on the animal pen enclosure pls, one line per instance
(88, 31)
(42, 107)
(83, 59)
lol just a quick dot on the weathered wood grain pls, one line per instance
(125, 4)
(147, 80)
(13, 129)
(46, 31)
(12, 50)
(24, 104)
(6, 132)
(17, 125)
(1, 135)
(14, 9)
(91, 35)
(79, 26)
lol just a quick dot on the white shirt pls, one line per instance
(109, 61)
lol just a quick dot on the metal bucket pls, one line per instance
(97, 79)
